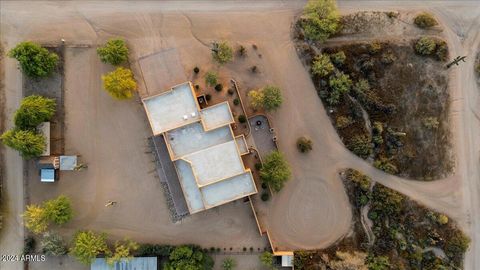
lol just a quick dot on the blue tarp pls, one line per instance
(138, 263)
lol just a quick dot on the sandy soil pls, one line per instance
(312, 211)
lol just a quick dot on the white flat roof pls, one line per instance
(192, 193)
(217, 115)
(172, 109)
(228, 190)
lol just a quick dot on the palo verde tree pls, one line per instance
(120, 83)
(189, 257)
(320, 19)
(222, 53)
(322, 65)
(87, 245)
(35, 61)
(275, 170)
(29, 143)
(114, 52)
(33, 111)
(35, 218)
(59, 210)
(122, 251)
(268, 98)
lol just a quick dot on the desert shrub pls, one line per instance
(385, 165)
(377, 132)
(258, 166)
(236, 102)
(223, 53)
(122, 251)
(362, 86)
(338, 58)
(378, 262)
(343, 121)
(59, 210)
(322, 65)
(386, 202)
(29, 245)
(360, 145)
(392, 14)
(441, 51)
(242, 51)
(442, 219)
(268, 98)
(189, 257)
(29, 143)
(219, 87)
(340, 84)
(211, 78)
(430, 122)
(304, 144)
(425, 46)
(425, 20)
(374, 47)
(265, 196)
(275, 170)
(228, 264)
(230, 91)
(34, 110)
(254, 69)
(35, 218)
(87, 245)
(35, 61)
(114, 52)
(52, 244)
(242, 118)
(388, 58)
(208, 97)
(120, 83)
(360, 179)
(320, 19)
(196, 70)
(145, 250)
(477, 68)
(456, 246)
(266, 258)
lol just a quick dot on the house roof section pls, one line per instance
(229, 189)
(216, 116)
(172, 109)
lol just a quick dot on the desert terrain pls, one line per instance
(312, 211)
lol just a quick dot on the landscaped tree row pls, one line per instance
(406, 235)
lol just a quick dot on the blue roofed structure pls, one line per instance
(136, 263)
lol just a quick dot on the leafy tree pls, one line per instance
(266, 258)
(304, 144)
(343, 121)
(322, 66)
(228, 264)
(27, 142)
(340, 84)
(211, 78)
(360, 145)
(35, 218)
(425, 20)
(320, 19)
(114, 52)
(59, 210)
(269, 98)
(338, 58)
(385, 165)
(33, 111)
(187, 257)
(87, 245)
(123, 251)
(256, 98)
(223, 53)
(378, 262)
(120, 83)
(425, 46)
(275, 170)
(52, 244)
(35, 61)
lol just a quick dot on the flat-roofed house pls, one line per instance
(202, 146)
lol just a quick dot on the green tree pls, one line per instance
(320, 19)
(33, 111)
(35, 218)
(59, 210)
(228, 264)
(189, 258)
(223, 53)
(425, 46)
(122, 252)
(211, 78)
(304, 144)
(256, 98)
(340, 85)
(322, 65)
(269, 98)
(338, 58)
(425, 20)
(266, 258)
(378, 262)
(275, 170)
(87, 245)
(114, 52)
(360, 145)
(27, 142)
(52, 244)
(120, 83)
(35, 61)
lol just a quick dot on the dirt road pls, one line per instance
(312, 211)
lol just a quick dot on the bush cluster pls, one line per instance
(35, 61)
(114, 52)
(268, 98)
(275, 170)
(425, 20)
(320, 19)
(432, 47)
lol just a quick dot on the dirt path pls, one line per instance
(312, 211)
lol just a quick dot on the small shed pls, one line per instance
(68, 163)
(47, 175)
(136, 263)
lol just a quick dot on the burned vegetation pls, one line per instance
(390, 231)
(388, 101)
